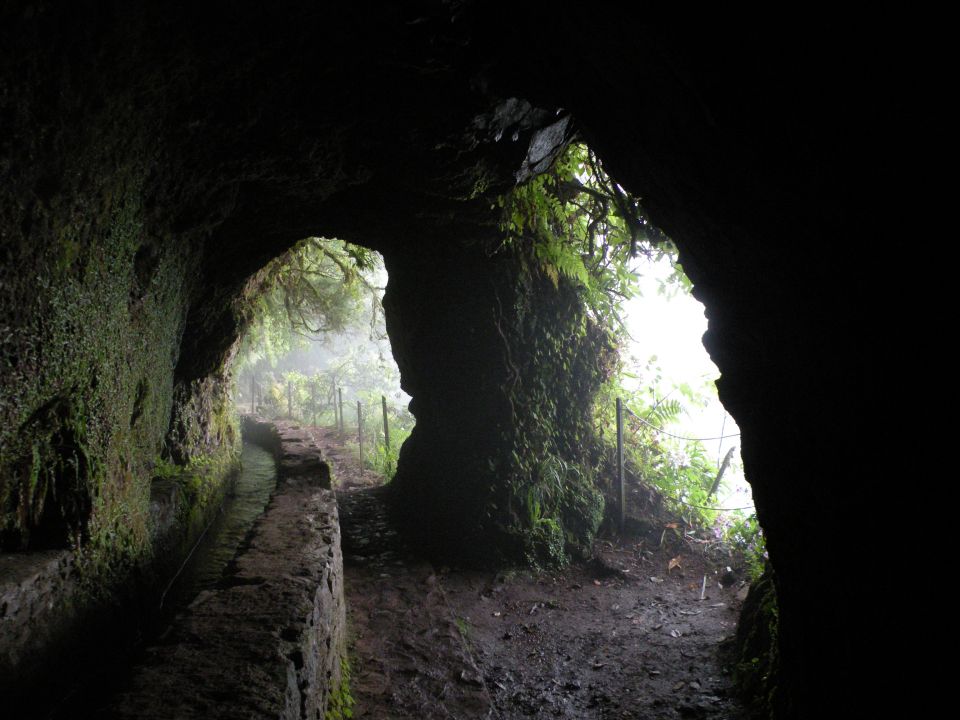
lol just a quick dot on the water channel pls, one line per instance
(96, 681)
(242, 506)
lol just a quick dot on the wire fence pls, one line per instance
(319, 401)
(306, 402)
(621, 485)
(678, 437)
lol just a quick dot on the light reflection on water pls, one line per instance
(257, 480)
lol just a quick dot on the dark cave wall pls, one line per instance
(503, 366)
(97, 284)
(80, 298)
(745, 148)
(763, 235)
(154, 157)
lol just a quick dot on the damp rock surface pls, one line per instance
(625, 635)
(268, 641)
(33, 587)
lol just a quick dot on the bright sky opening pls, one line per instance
(670, 329)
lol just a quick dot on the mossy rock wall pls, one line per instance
(96, 288)
(503, 365)
(755, 658)
(88, 399)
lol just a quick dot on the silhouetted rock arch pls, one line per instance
(154, 159)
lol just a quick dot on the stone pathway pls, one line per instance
(408, 654)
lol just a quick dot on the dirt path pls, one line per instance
(620, 637)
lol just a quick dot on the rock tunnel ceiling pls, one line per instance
(154, 159)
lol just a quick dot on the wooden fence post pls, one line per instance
(723, 466)
(360, 434)
(340, 393)
(336, 411)
(386, 425)
(620, 486)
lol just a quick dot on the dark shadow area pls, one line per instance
(156, 157)
(95, 659)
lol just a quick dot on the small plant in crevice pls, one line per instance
(340, 703)
(56, 483)
(756, 660)
(383, 459)
(463, 627)
(745, 537)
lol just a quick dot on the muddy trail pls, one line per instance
(625, 635)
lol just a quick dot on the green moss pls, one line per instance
(340, 703)
(204, 421)
(756, 659)
(95, 303)
(82, 341)
(551, 503)
(203, 478)
(463, 627)
(504, 466)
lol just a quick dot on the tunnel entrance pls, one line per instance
(316, 351)
(678, 437)
(632, 632)
(651, 593)
(154, 159)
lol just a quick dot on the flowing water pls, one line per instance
(257, 480)
(97, 681)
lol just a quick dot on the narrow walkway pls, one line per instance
(408, 656)
(266, 639)
(625, 636)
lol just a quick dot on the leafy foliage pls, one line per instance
(317, 288)
(556, 357)
(583, 226)
(318, 328)
(384, 457)
(340, 701)
(377, 455)
(585, 230)
(581, 232)
(680, 471)
(744, 534)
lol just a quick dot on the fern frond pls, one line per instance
(666, 411)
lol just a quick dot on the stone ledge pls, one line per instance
(51, 622)
(269, 641)
(31, 585)
(297, 453)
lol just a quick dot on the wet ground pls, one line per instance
(626, 635)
